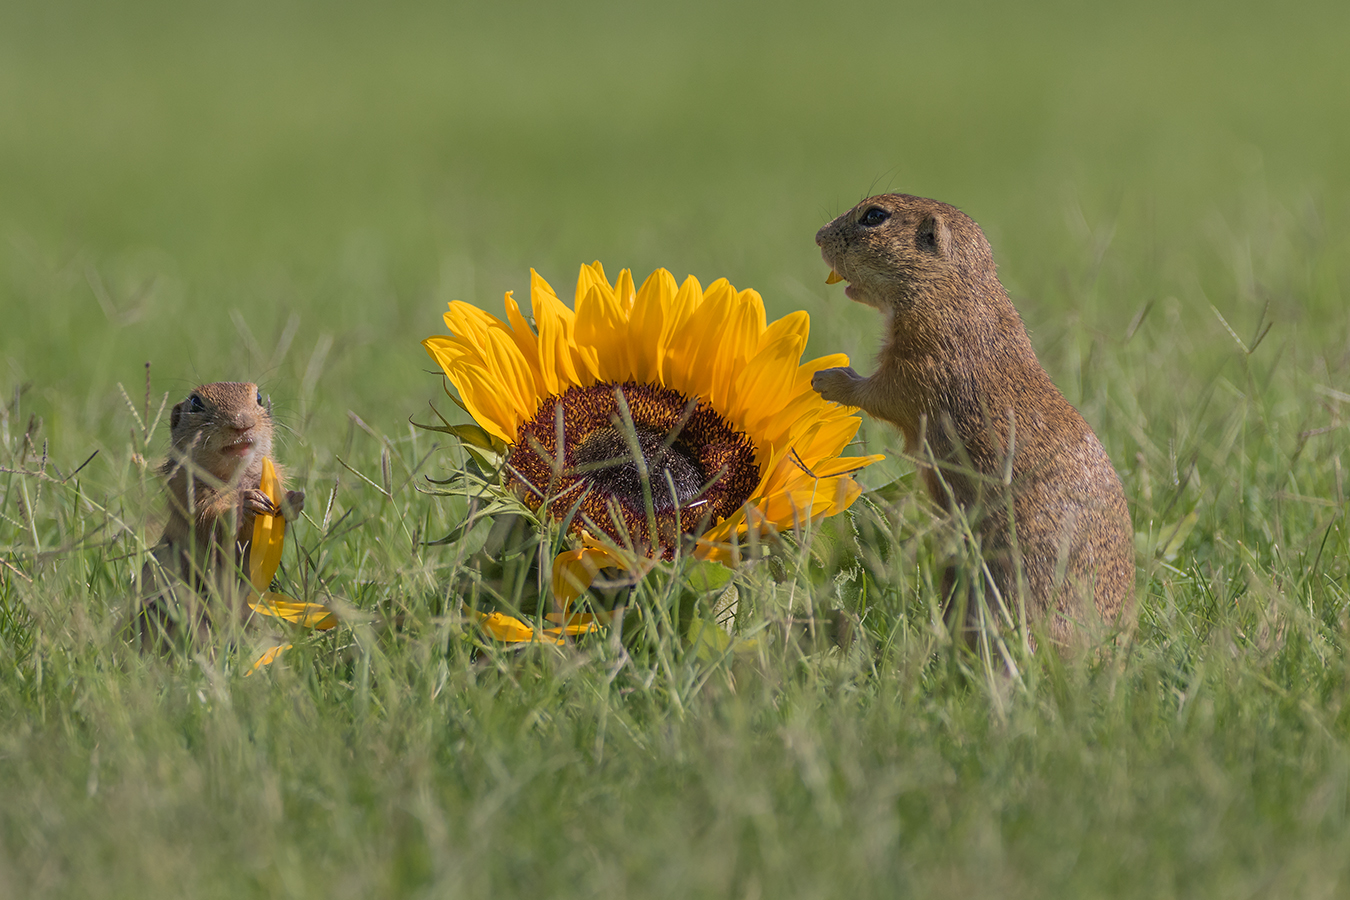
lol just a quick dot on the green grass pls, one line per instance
(290, 194)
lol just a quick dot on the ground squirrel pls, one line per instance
(957, 372)
(219, 437)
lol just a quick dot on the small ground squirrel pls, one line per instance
(957, 372)
(219, 437)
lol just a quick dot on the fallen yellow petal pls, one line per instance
(268, 657)
(574, 570)
(308, 615)
(510, 630)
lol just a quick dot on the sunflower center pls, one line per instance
(575, 458)
(605, 458)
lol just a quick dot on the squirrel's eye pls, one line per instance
(260, 399)
(195, 403)
(873, 217)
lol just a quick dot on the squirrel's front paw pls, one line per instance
(255, 501)
(292, 506)
(839, 384)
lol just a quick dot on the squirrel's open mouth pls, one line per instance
(240, 447)
(834, 278)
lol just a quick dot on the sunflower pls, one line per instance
(655, 420)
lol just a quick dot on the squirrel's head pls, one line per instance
(222, 427)
(893, 248)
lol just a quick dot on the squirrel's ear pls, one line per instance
(933, 235)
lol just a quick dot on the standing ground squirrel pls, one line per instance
(219, 437)
(957, 373)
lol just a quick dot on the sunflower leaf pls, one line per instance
(707, 640)
(490, 449)
(463, 484)
(459, 531)
(488, 460)
(704, 576)
(892, 491)
(467, 433)
(453, 399)
(445, 425)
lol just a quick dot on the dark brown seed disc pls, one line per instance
(576, 457)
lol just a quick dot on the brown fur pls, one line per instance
(957, 372)
(219, 436)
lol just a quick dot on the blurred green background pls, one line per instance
(291, 192)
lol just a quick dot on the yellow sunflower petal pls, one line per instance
(514, 376)
(268, 657)
(269, 533)
(822, 498)
(827, 439)
(648, 330)
(471, 324)
(602, 323)
(560, 361)
(528, 345)
(624, 291)
(307, 615)
(592, 276)
(575, 570)
(740, 339)
(697, 349)
(686, 333)
(763, 389)
(510, 630)
(477, 389)
(507, 629)
(798, 323)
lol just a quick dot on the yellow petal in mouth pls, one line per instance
(833, 278)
